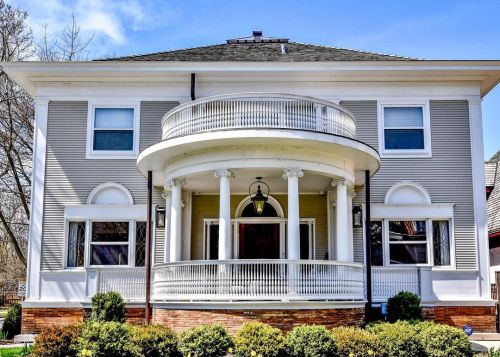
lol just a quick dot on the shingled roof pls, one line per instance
(493, 180)
(258, 48)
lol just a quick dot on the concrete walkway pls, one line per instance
(482, 342)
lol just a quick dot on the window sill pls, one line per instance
(398, 154)
(111, 155)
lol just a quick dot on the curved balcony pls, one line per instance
(258, 280)
(258, 110)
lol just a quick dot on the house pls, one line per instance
(275, 181)
(492, 173)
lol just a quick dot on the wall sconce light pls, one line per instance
(357, 217)
(160, 216)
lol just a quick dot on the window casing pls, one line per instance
(94, 243)
(412, 242)
(404, 130)
(113, 131)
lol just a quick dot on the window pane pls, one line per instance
(114, 118)
(76, 244)
(114, 140)
(377, 252)
(113, 254)
(441, 242)
(109, 231)
(407, 231)
(408, 253)
(395, 117)
(404, 139)
(214, 242)
(304, 241)
(140, 244)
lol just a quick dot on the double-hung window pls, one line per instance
(408, 242)
(109, 243)
(405, 130)
(113, 132)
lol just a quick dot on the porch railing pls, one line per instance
(258, 110)
(129, 282)
(388, 281)
(253, 280)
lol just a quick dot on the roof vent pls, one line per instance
(257, 37)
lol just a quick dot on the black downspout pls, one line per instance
(193, 84)
(148, 246)
(368, 309)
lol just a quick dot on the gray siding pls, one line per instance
(447, 176)
(70, 177)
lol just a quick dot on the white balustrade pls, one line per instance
(258, 110)
(129, 282)
(253, 280)
(388, 281)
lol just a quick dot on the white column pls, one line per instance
(350, 234)
(176, 220)
(341, 232)
(168, 208)
(37, 196)
(224, 213)
(478, 181)
(293, 229)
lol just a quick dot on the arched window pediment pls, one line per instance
(274, 208)
(407, 193)
(110, 193)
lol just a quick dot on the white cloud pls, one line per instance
(107, 20)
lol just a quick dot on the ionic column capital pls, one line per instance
(175, 182)
(223, 173)
(292, 173)
(338, 181)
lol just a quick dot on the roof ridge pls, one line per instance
(361, 51)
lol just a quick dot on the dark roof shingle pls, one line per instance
(493, 205)
(263, 52)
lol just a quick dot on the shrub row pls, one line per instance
(424, 339)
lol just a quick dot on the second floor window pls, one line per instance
(405, 130)
(112, 132)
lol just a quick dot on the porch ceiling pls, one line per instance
(206, 182)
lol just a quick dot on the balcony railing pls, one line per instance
(388, 281)
(129, 282)
(257, 111)
(254, 280)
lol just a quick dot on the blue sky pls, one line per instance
(445, 29)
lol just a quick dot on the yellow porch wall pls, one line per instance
(207, 206)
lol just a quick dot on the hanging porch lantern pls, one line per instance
(259, 198)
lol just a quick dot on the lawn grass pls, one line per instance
(10, 352)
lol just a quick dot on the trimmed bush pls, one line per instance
(108, 307)
(155, 341)
(205, 341)
(443, 340)
(398, 339)
(257, 338)
(310, 341)
(105, 339)
(404, 306)
(356, 342)
(57, 341)
(12, 323)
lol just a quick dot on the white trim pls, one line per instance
(432, 211)
(271, 200)
(414, 185)
(37, 199)
(92, 195)
(263, 305)
(478, 181)
(405, 153)
(115, 154)
(104, 212)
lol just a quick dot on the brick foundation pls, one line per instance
(33, 320)
(180, 320)
(481, 318)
